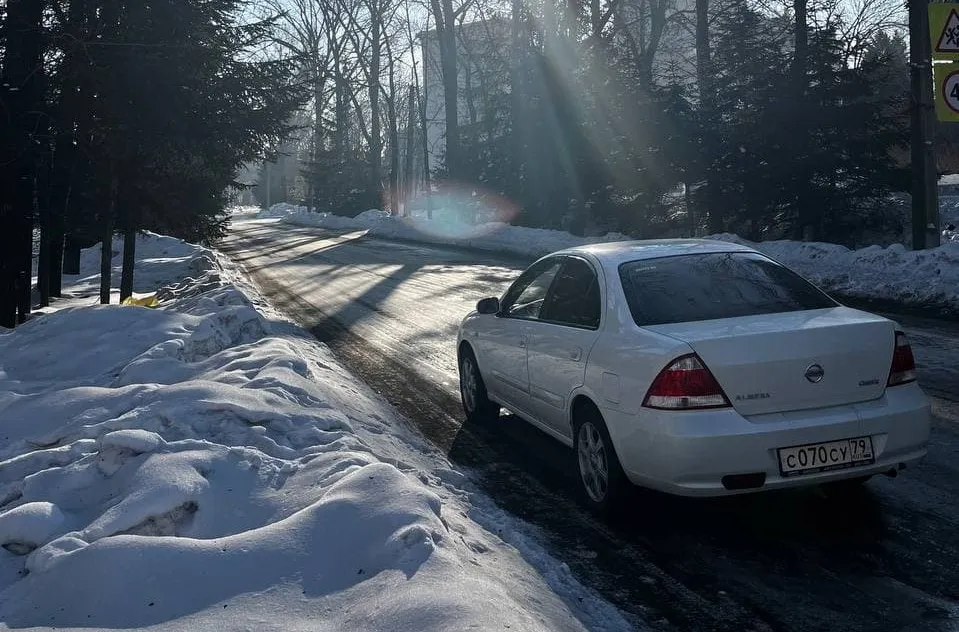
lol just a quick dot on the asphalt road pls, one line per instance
(883, 558)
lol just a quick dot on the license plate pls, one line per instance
(823, 457)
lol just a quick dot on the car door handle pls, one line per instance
(575, 354)
(522, 343)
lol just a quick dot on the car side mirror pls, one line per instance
(488, 306)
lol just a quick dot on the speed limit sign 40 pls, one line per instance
(947, 92)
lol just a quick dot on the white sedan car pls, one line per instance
(694, 367)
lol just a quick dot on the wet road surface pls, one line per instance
(882, 558)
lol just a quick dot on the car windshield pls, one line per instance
(688, 288)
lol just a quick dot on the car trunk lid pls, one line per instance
(793, 360)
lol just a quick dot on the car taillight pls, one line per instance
(903, 368)
(686, 384)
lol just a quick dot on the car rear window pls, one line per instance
(710, 286)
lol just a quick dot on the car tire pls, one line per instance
(594, 454)
(473, 394)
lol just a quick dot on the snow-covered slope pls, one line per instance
(920, 279)
(208, 466)
(926, 279)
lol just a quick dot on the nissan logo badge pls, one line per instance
(814, 373)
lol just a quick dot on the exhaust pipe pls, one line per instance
(894, 471)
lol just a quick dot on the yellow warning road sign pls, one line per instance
(947, 92)
(944, 30)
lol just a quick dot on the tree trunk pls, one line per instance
(517, 91)
(45, 272)
(703, 71)
(71, 255)
(595, 20)
(801, 54)
(64, 153)
(394, 126)
(410, 145)
(808, 214)
(657, 25)
(19, 81)
(106, 244)
(341, 115)
(446, 33)
(376, 121)
(424, 129)
(76, 220)
(318, 85)
(25, 196)
(8, 309)
(55, 262)
(129, 261)
(8, 219)
(706, 105)
(471, 111)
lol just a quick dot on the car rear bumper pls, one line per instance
(689, 453)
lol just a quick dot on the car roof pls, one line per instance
(614, 253)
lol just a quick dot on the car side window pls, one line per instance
(525, 298)
(574, 299)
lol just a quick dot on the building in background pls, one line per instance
(482, 59)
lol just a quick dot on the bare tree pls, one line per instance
(519, 43)
(302, 31)
(706, 99)
(860, 21)
(642, 24)
(419, 99)
(393, 106)
(446, 18)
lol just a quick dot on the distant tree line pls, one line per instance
(118, 116)
(653, 117)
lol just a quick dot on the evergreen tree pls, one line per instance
(748, 131)
(855, 132)
(181, 102)
(790, 164)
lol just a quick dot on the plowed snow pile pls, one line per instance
(206, 465)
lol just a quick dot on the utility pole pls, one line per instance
(925, 194)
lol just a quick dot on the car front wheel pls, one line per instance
(476, 402)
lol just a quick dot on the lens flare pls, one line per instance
(456, 211)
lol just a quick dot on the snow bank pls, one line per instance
(206, 466)
(949, 209)
(26, 527)
(923, 279)
(926, 279)
(446, 229)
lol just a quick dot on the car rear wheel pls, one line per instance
(476, 402)
(602, 480)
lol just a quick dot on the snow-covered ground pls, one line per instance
(922, 279)
(207, 465)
